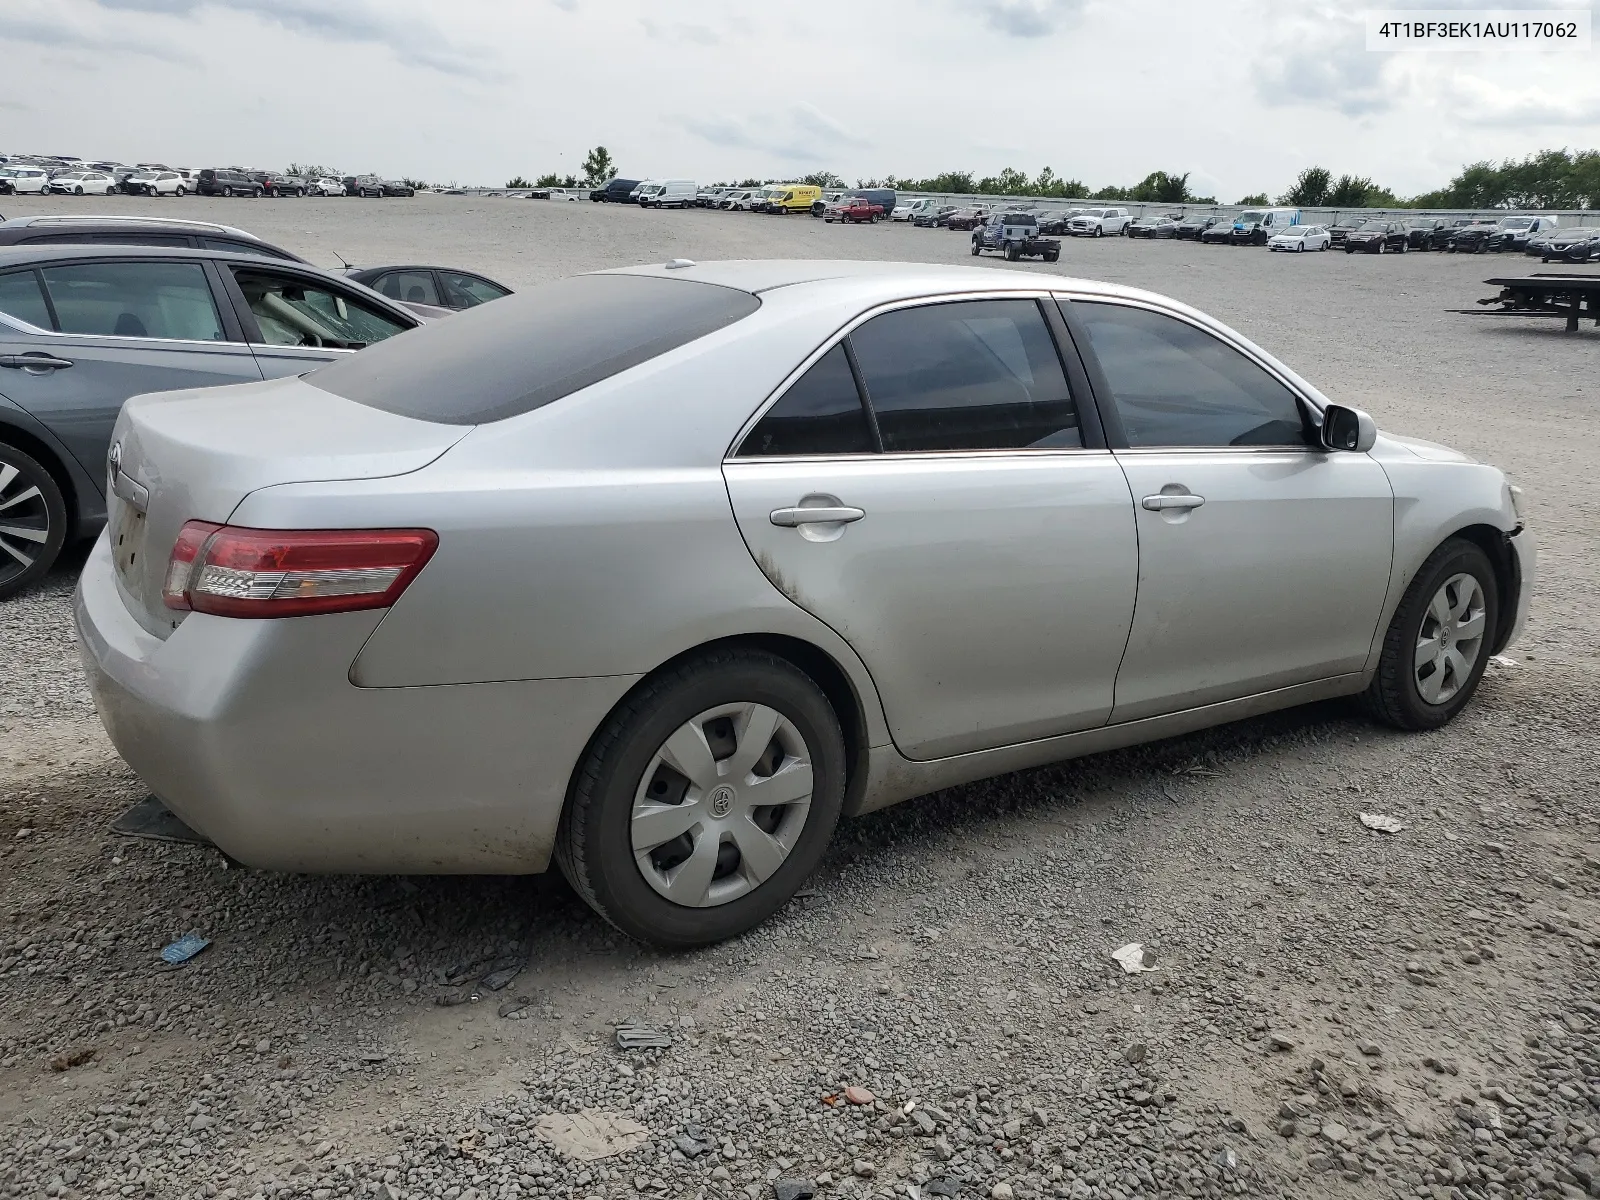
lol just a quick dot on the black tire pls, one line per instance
(1393, 696)
(256, 193)
(1052, 256)
(228, 192)
(1013, 252)
(594, 844)
(181, 192)
(46, 513)
(975, 247)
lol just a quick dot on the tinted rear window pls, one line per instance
(523, 352)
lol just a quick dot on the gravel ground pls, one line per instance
(1333, 1012)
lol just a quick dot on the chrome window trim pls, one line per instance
(1135, 450)
(1227, 338)
(844, 331)
(180, 343)
(917, 455)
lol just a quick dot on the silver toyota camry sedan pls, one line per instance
(659, 572)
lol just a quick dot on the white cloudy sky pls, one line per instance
(1241, 96)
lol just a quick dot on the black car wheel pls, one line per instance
(180, 191)
(228, 192)
(35, 520)
(1439, 642)
(706, 799)
(975, 247)
(1013, 252)
(256, 193)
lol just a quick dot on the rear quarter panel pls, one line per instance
(591, 537)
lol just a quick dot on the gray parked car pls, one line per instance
(741, 547)
(82, 328)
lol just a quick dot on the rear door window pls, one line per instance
(415, 287)
(134, 299)
(21, 297)
(970, 375)
(820, 414)
(292, 311)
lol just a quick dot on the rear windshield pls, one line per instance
(525, 351)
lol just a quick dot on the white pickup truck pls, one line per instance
(1099, 222)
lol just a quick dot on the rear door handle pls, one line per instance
(18, 361)
(837, 515)
(1159, 503)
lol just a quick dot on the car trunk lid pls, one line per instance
(194, 455)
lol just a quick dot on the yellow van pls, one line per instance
(792, 197)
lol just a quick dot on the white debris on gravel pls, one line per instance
(1381, 822)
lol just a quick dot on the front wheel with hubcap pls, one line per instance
(705, 800)
(33, 520)
(1439, 641)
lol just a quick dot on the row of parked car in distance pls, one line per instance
(22, 175)
(1278, 228)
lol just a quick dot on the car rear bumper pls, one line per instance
(252, 733)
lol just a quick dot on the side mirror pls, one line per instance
(1348, 429)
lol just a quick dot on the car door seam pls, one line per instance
(767, 574)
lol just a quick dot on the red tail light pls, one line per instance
(232, 572)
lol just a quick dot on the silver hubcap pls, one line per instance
(721, 805)
(24, 522)
(1450, 640)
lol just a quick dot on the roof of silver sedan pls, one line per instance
(758, 275)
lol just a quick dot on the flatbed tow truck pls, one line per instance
(1544, 294)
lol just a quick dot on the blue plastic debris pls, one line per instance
(185, 948)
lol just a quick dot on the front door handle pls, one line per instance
(18, 361)
(840, 514)
(1162, 502)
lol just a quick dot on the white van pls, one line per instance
(910, 210)
(667, 193)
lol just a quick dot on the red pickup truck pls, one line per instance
(854, 208)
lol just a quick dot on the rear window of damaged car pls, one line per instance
(507, 358)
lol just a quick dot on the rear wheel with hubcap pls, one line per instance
(1439, 641)
(33, 520)
(705, 800)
